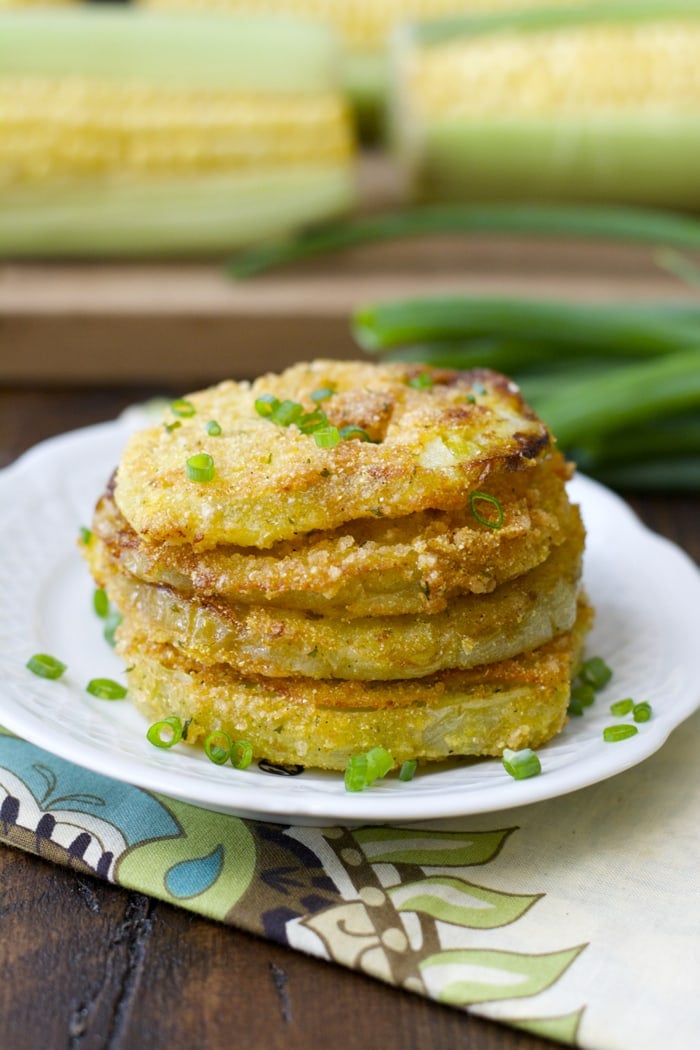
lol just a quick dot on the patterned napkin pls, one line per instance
(577, 919)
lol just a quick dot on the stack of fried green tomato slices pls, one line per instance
(348, 556)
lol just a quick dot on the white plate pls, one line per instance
(646, 592)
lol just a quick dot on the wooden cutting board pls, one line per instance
(188, 324)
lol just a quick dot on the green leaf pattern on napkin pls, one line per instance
(394, 902)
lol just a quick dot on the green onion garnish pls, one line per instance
(484, 497)
(575, 706)
(106, 689)
(100, 603)
(213, 428)
(362, 770)
(421, 381)
(356, 773)
(351, 432)
(165, 733)
(641, 712)
(322, 394)
(621, 707)
(312, 421)
(521, 764)
(169, 427)
(595, 672)
(241, 754)
(584, 693)
(265, 405)
(327, 437)
(217, 747)
(287, 412)
(85, 536)
(611, 734)
(200, 467)
(181, 407)
(408, 769)
(112, 621)
(379, 762)
(45, 666)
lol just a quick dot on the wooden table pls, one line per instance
(84, 964)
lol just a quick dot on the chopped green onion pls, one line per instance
(350, 432)
(241, 754)
(166, 733)
(200, 467)
(45, 666)
(521, 764)
(595, 672)
(611, 734)
(484, 497)
(112, 621)
(575, 706)
(100, 603)
(181, 407)
(421, 381)
(356, 773)
(327, 437)
(312, 421)
(379, 762)
(85, 536)
(641, 712)
(362, 770)
(213, 428)
(584, 693)
(322, 394)
(266, 404)
(287, 412)
(217, 747)
(106, 689)
(621, 708)
(169, 427)
(408, 768)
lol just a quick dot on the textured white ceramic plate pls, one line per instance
(646, 591)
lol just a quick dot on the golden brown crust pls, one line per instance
(476, 629)
(379, 567)
(274, 483)
(517, 703)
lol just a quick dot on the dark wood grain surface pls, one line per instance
(87, 965)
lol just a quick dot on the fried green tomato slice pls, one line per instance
(377, 567)
(401, 448)
(517, 703)
(472, 630)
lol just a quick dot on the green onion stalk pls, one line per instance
(618, 383)
(661, 229)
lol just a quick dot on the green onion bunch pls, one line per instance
(618, 383)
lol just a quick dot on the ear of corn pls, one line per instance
(363, 28)
(129, 132)
(592, 103)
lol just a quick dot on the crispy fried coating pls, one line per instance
(476, 629)
(428, 447)
(378, 567)
(516, 703)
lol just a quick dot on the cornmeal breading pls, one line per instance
(406, 576)
(517, 703)
(473, 630)
(377, 567)
(428, 447)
